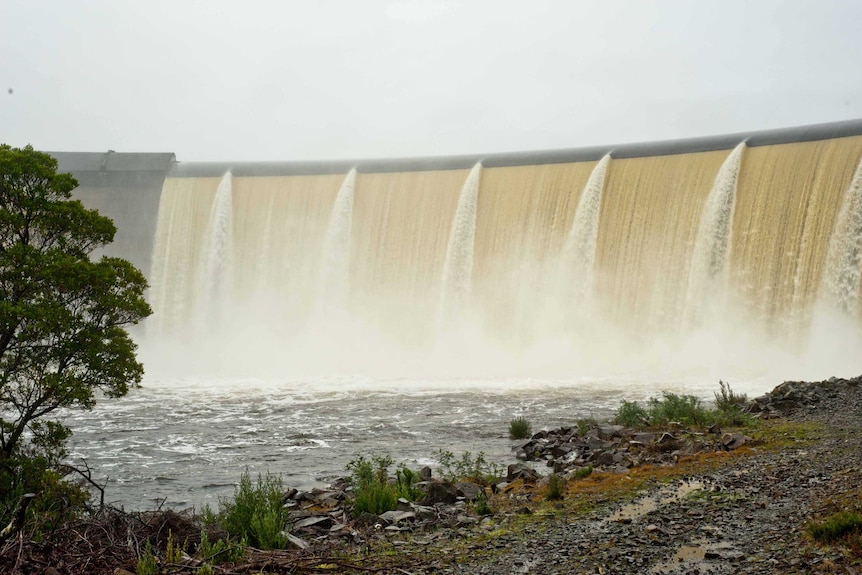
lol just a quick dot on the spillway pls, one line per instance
(709, 255)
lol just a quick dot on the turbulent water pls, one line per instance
(185, 442)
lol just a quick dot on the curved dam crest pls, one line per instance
(654, 309)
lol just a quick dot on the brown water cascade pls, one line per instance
(649, 271)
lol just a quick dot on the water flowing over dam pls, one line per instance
(305, 313)
(723, 256)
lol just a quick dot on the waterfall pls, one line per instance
(578, 256)
(709, 264)
(458, 265)
(844, 255)
(335, 268)
(217, 255)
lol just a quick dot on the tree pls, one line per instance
(63, 315)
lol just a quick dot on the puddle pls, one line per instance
(685, 558)
(637, 509)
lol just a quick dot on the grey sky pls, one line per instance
(225, 80)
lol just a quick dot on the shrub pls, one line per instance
(220, 551)
(372, 492)
(729, 406)
(405, 484)
(519, 428)
(58, 499)
(256, 513)
(556, 487)
(482, 505)
(630, 414)
(582, 472)
(585, 424)
(468, 467)
(681, 408)
(727, 400)
(837, 526)
(147, 563)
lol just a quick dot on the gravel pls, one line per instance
(747, 517)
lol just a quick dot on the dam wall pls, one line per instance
(126, 188)
(588, 261)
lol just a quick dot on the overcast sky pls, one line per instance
(325, 79)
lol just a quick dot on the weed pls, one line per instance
(520, 428)
(482, 505)
(405, 484)
(220, 551)
(556, 487)
(727, 400)
(147, 563)
(173, 552)
(372, 492)
(468, 467)
(582, 472)
(630, 414)
(680, 408)
(584, 425)
(256, 513)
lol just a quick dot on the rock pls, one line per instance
(437, 491)
(666, 438)
(518, 471)
(643, 437)
(607, 431)
(323, 522)
(469, 491)
(732, 441)
(303, 496)
(422, 512)
(296, 541)
(425, 473)
(394, 517)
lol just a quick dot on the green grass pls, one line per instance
(836, 527)
(582, 472)
(520, 428)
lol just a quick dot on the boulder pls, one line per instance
(437, 491)
(469, 491)
(394, 517)
(518, 471)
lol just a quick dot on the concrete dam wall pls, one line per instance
(585, 260)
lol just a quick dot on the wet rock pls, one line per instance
(731, 441)
(318, 522)
(607, 431)
(469, 491)
(395, 517)
(518, 471)
(643, 437)
(296, 541)
(437, 491)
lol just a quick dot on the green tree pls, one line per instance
(63, 315)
